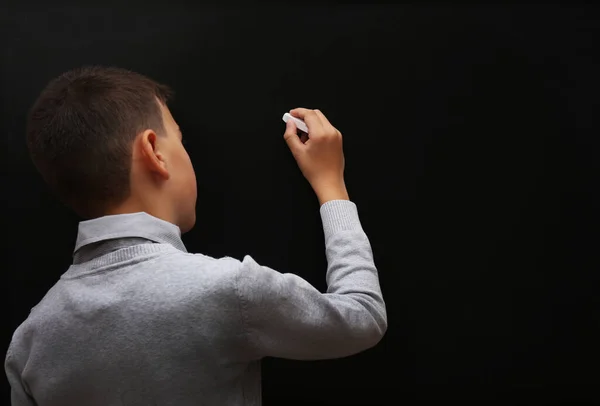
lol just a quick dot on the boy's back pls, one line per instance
(147, 312)
(137, 320)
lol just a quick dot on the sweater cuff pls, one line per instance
(339, 215)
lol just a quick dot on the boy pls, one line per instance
(136, 319)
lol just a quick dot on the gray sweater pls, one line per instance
(137, 320)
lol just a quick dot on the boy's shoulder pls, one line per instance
(178, 281)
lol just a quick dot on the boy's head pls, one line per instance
(106, 143)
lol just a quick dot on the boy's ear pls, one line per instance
(151, 154)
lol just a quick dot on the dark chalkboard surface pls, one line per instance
(471, 152)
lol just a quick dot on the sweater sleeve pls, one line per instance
(286, 317)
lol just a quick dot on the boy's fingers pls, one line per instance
(291, 138)
(299, 112)
(310, 117)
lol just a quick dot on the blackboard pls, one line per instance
(471, 153)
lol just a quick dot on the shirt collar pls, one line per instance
(128, 226)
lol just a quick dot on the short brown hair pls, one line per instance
(81, 129)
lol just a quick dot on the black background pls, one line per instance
(471, 152)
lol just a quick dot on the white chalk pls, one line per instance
(299, 123)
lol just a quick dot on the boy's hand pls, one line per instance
(320, 155)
